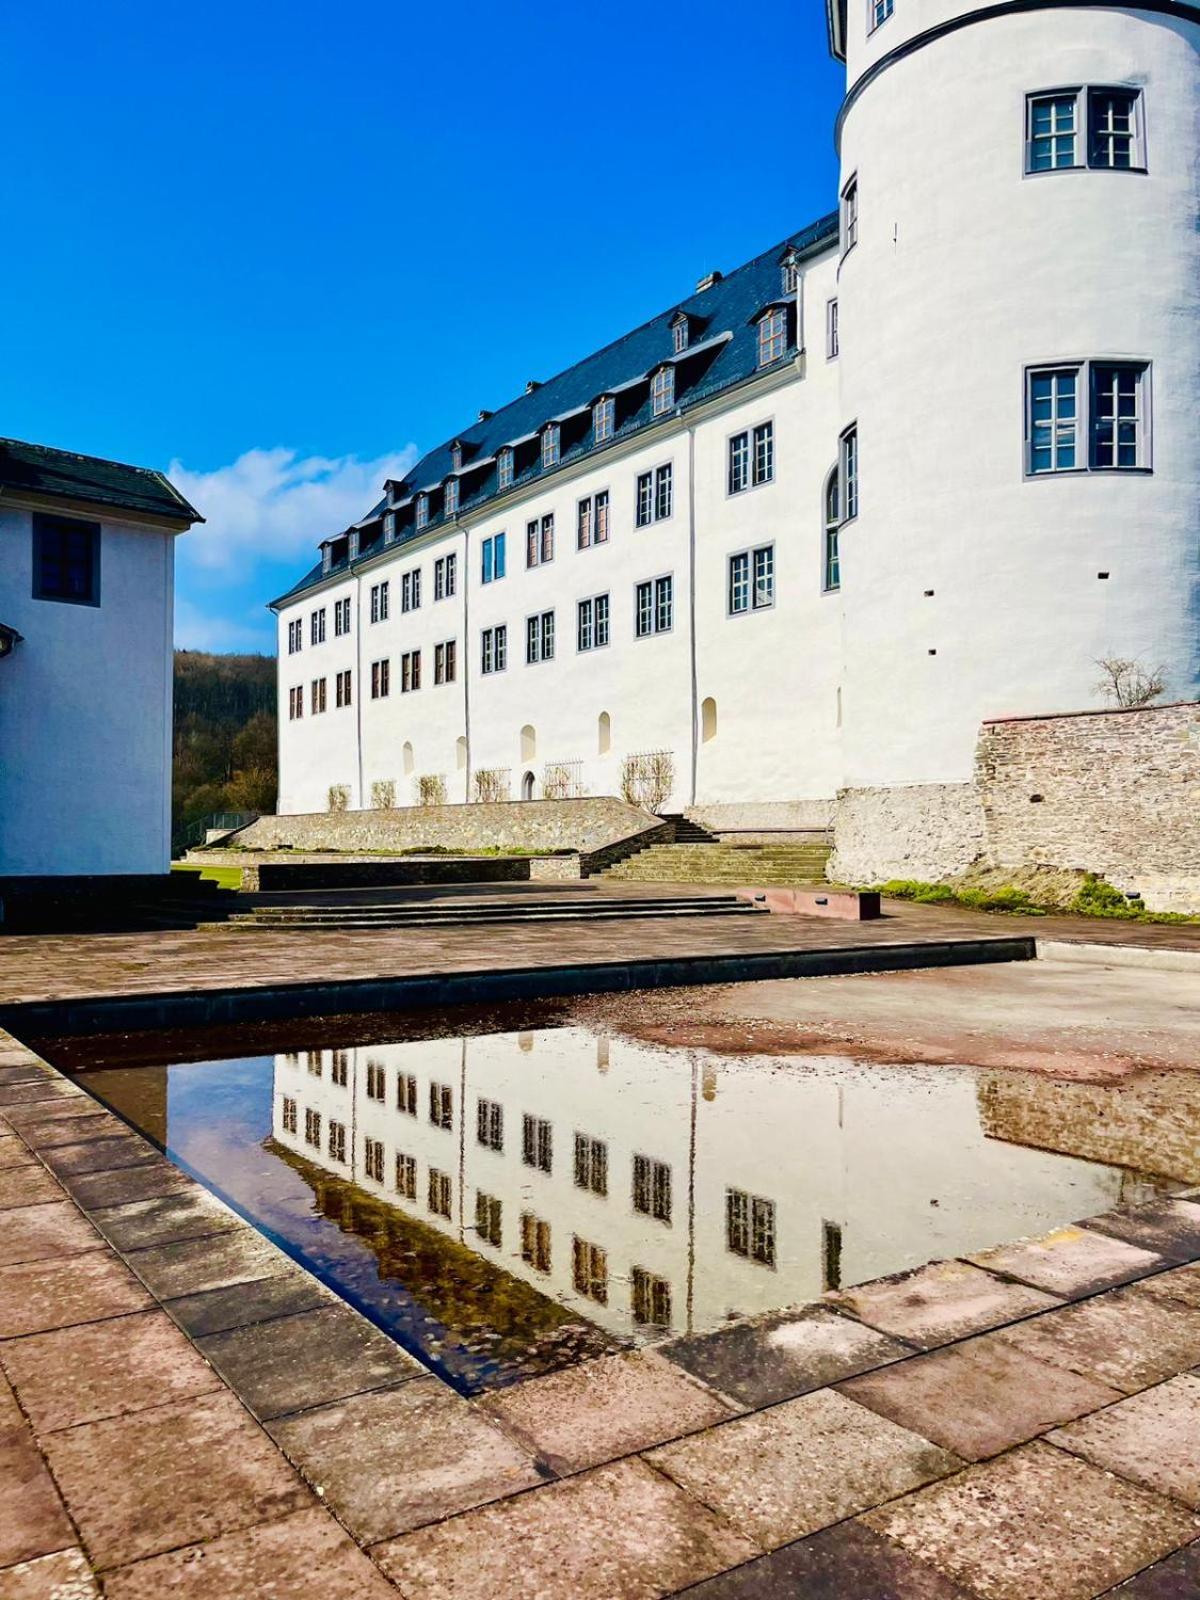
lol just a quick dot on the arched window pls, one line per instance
(462, 752)
(528, 742)
(527, 783)
(407, 757)
(831, 572)
(708, 720)
(604, 734)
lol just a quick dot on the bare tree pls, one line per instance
(1128, 682)
(648, 778)
(339, 796)
(491, 783)
(383, 794)
(431, 789)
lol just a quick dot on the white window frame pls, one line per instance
(422, 511)
(662, 391)
(539, 638)
(604, 418)
(593, 619)
(450, 498)
(848, 215)
(381, 678)
(878, 12)
(1084, 97)
(848, 473)
(772, 336)
(654, 587)
(1085, 424)
(445, 662)
(493, 649)
(504, 468)
(551, 445)
(831, 521)
(832, 329)
(489, 547)
(754, 556)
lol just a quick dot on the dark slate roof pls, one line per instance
(36, 469)
(723, 352)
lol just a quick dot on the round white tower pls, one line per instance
(1021, 184)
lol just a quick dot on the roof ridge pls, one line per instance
(103, 461)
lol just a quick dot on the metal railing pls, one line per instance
(196, 832)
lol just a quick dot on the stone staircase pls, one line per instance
(709, 860)
(410, 914)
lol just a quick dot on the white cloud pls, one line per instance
(274, 505)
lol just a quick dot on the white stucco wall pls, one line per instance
(85, 710)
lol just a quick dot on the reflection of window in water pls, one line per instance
(831, 1255)
(312, 1128)
(291, 1058)
(406, 1093)
(591, 1164)
(339, 1069)
(750, 1226)
(602, 1054)
(406, 1176)
(525, 1042)
(590, 1270)
(376, 1080)
(490, 1124)
(441, 1105)
(439, 1192)
(314, 1063)
(537, 1138)
(373, 1159)
(652, 1188)
(651, 1296)
(289, 1115)
(488, 1215)
(337, 1141)
(535, 1241)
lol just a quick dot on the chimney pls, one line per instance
(484, 415)
(708, 280)
(534, 383)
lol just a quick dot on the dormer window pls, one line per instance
(679, 333)
(326, 557)
(456, 457)
(551, 445)
(422, 510)
(604, 418)
(662, 390)
(504, 468)
(352, 544)
(389, 526)
(772, 335)
(790, 273)
(451, 497)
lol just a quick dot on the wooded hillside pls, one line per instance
(225, 734)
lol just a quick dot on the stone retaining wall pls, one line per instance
(277, 875)
(925, 831)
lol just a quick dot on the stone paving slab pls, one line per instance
(100, 1155)
(1181, 1284)
(242, 1304)
(143, 1484)
(1170, 1228)
(797, 1467)
(14, 1153)
(309, 1359)
(621, 1530)
(34, 1521)
(939, 1303)
(150, 1180)
(394, 1459)
(1176, 1578)
(104, 1369)
(45, 1232)
(39, 1295)
(1126, 1338)
(848, 1562)
(602, 1409)
(1071, 1262)
(1035, 1524)
(193, 1265)
(165, 1219)
(978, 1398)
(1152, 1439)
(783, 1355)
(25, 1186)
(64, 1576)
(303, 1554)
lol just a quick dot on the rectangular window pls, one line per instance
(381, 672)
(488, 1218)
(319, 695)
(445, 662)
(410, 590)
(445, 577)
(591, 1164)
(504, 469)
(317, 627)
(589, 1270)
(663, 492)
(539, 637)
(295, 637)
(389, 526)
(550, 445)
(422, 515)
(379, 601)
(373, 1159)
(645, 499)
(289, 1115)
(312, 1129)
(772, 336)
(376, 1081)
(739, 463)
(490, 1124)
(588, 527)
(295, 703)
(652, 1188)
(604, 417)
(1113, 133)
(342, 686)
(493, 558)
(654, 607)
(441, 1105)
(752, 457)
(832, 345)
(406, 1176)
(535, 1242)
(1053, 420)
(878, 11)
(440, 1192)
(1105, 403)
(662, 391)
(494, 649)
(1055, 130)
(539, 541)
(341, 617)
(764, 453)
(1052, 131)
(410, 671)
(337, 1141)
(651, 1299)
(314, 1062)
(848, 472)
(1118, 422)
(537, 1143)
(750, 1226)
(66, 559)
(451, 497)
(592, 629)
(339, 1067)
(848, 212)
(406, 1093)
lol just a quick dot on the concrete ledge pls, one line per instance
(200, 1008)
(842, 905)
(1120, 955)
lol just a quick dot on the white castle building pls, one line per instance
(921, 464)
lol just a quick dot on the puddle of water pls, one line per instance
(506, 1203)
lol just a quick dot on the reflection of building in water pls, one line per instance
(651, 1190)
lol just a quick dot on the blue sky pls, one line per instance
(277, 248)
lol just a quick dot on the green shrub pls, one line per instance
(1097, 898)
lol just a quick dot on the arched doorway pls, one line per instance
(527, 783)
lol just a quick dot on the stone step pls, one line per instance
(345, 919)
